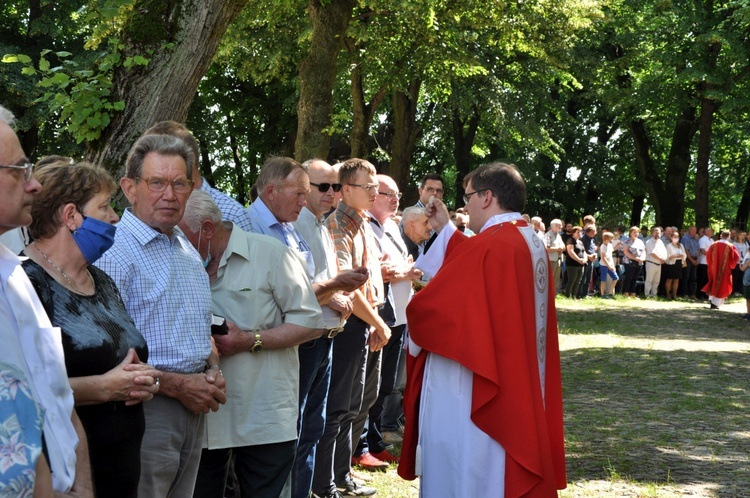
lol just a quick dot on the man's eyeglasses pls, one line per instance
(468, 195)
(28, 167)
(434, 190)
(366, 187)
(391, 195)
(158, 184)
(323, 187)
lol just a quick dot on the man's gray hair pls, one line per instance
(199, 208)
(7, 117)
(166, 145)
(306, 165)
(556, 222)
(412, 213)
(274, 171)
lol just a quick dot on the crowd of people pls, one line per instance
(196, 347)
(637, 262)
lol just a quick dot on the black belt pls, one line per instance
(332, 332)
(657, 264)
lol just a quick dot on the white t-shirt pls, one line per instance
(703, 244)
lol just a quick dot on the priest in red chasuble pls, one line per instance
(721, 258)
(483, 401)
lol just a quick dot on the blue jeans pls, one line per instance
(314, 380)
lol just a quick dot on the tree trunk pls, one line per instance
(637, 210)
(184, 36)
(317, 75)
(708, 108)
(362, 112)
(667, 197)
(405, 134)
(743, 210)
(464, 133)
(239, 169)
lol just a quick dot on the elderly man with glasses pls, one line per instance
(166, 291)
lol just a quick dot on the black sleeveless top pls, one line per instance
(96, 335)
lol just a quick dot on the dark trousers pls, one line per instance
(393, 407)
(588, 268)
(702, 279)
(388, 375)
(688, 282)
(574, 280)
(262, 470)
(372, 388)
(314, 380)
(632, 272)
(334, 452)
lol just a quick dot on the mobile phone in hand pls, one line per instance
(219, 325)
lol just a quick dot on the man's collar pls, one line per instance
(142, 232)
(357, 216)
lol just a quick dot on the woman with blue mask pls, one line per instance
(105, 355)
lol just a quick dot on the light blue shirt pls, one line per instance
(264, 222)
(230, 209)
(691, 245)
(166, 292)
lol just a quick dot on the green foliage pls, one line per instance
(79, 95)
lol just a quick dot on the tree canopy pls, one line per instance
(635, 111)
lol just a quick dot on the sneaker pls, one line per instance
(334, 494)
(392, 437)
(369, 462)
(386, 456)
(350, 488)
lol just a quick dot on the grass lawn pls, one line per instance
(656, 400)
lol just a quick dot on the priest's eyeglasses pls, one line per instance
(28, 167)
(323, 187)
(391, 195)
(468, 195)
(158, 184)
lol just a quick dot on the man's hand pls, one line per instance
(196, 393)
(233, 342)
(387, 270)
(437, 214)
(341, 303)
(351, 280)
(379, 337)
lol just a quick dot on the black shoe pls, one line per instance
(351, 488)
(714, 307)
(334, 494)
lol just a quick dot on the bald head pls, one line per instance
(320, 174)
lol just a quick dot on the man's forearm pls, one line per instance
(365, 312)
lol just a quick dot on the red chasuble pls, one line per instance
(479, 311)
(721, 259)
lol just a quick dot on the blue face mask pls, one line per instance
(94, 237)
(208, 257)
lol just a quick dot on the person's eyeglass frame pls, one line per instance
(323, 187)
(27, 166)
(368, 187)
(167, 182)
(467, 195)
(391, 195)
(434, 190)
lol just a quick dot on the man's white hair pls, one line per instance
(411, 213)
(7, 117)
(200, 207)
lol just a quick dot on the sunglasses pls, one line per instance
(323, 187)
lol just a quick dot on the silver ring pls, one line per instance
(157, 382)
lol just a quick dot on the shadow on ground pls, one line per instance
(675, 418)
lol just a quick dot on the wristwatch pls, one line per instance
(258, 345)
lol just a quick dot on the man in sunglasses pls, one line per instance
(491, 375)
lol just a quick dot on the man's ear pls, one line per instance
(128, 186)
(209, 229)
